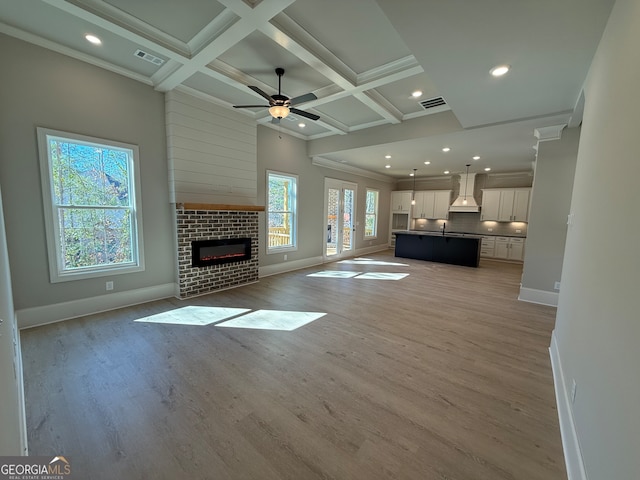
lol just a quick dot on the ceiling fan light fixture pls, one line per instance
(279, 111)
(500, 70)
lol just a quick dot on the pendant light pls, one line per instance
(413, 192)
(466, 181)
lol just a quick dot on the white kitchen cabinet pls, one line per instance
(516, 249)
(488, 247)
(490, 205)
(509, 248)
(505, 204)
(401, 201)
(432, 204)
(442, 200)
(521, 205)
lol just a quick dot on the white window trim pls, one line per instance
(288, 248)
(377, 214)
(54, 251)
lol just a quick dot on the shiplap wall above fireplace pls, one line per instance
(212, 152)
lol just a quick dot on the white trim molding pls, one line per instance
(542, 297)
(547, 134)
(283, 267)
(342, 167)
(570, 444)
(314, 261)
(36, 316)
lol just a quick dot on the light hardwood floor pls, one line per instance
(441, 375)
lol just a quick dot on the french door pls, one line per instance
(340, 210)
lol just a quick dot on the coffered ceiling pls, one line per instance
(361, 58)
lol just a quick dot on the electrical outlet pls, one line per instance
(285, 257)
(518, 231)
(490, 229)
(556, 286)
(109, 285)
(574, 387)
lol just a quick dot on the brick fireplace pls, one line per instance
(216, 224)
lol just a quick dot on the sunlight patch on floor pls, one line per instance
(272, 320)
(334, 274)
(382, 276)
(368, 261)
(365, 276)
(194, 315)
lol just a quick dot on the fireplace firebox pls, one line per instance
(215, 252)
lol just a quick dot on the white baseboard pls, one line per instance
(538, 296)
(313, 261)
(373, 249)
(36, 316)
(289, 266)
(570, 445)
(24, 445)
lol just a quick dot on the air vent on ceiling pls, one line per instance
(433, 103)
(148, 57)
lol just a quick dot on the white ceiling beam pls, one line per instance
(381, 105)
(119, 17)
(251, 20)
(114, 28)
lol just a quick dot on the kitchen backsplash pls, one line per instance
(470, 223)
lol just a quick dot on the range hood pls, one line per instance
(465, 201)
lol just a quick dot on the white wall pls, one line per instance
(549, 207)
(212, 152)
(11, 412)
(598, 322)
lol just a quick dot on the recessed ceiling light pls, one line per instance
(93, 39)
(477, 157)
(446, 149)
(488, 169)
(446, 172)
(387, 156)
(302, 125)
(500, 70)
(427, 163)
(416, 94)
(387, 166)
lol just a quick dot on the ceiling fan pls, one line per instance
(279, 105)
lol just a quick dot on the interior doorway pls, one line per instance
(340, 209)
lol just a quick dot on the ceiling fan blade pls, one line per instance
(302, 113)
(260, 92)
(307, 97)
(251, 106)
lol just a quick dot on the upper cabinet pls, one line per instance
(432, 204)
(401, 201)
(505, 204)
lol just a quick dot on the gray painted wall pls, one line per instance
(598, 320)
(283, 153)
(549, 206)
(43, 88)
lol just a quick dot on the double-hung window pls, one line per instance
(281, 211)
(92, 215)
(371, 214)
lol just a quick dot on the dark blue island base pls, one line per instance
(449, 248)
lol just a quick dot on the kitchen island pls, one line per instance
(454, 248)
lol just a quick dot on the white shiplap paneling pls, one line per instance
(212, 152)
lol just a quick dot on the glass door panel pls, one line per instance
(333, 214)
(340, 208)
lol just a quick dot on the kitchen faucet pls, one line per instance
(444, 226)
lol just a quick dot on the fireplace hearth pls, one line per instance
(215, 252)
